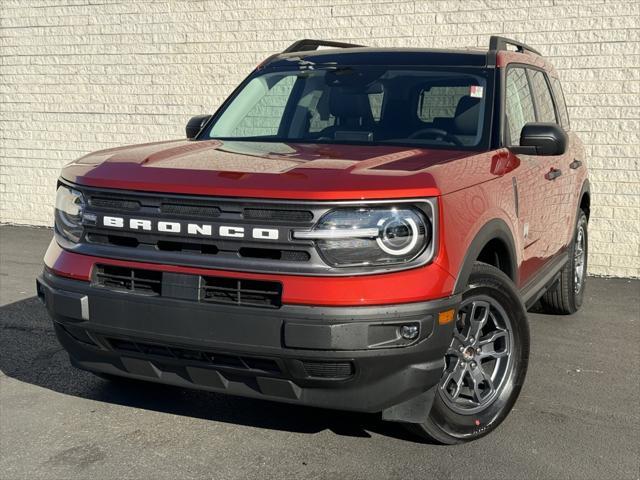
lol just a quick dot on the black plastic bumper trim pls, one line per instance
(382, 377)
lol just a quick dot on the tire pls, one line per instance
(491, 308)
(565, 296)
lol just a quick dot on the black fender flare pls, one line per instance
(493, 229)
(585, 190)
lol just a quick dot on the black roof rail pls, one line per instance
(308, 44)
(500, 43)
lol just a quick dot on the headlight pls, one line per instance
(68, 213)
(370, 236)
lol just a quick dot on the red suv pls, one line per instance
(355, 228)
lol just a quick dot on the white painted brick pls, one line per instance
(80, 75)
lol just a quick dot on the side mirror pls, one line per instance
(195, 124)
(541, 139)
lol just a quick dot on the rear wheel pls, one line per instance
(486, 362)
(565, 297)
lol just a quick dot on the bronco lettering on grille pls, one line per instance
(197, 229)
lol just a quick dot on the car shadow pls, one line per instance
(30, 353)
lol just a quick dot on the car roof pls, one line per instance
(383, 56)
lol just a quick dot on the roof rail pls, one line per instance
(309, 44)
(500, 43)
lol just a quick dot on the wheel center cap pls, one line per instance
(468, 353)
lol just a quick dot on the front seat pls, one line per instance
(465, 122)
(352, 113)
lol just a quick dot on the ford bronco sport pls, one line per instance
(355, 228)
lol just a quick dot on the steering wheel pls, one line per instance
(437, 133)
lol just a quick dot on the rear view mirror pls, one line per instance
(195, 124)
(541, 139)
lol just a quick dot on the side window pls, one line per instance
(560, 103)
(439, 102)
(544, 100)
(518, 104)
(263, 118)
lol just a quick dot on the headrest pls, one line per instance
(466, 119)
(345, 104)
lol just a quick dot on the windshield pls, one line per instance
(359, 105)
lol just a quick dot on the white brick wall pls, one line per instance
(81, 75)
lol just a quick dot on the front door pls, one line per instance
(557, 219)
(534, 191)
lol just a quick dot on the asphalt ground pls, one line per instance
(578, 415)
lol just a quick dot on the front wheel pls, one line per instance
(486, 362)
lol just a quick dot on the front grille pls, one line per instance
(136, 280)
(207, 289)
(241, 292)
(220, 233)
(199, 242)
(209, 358)
(332, 370)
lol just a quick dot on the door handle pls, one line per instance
(553, 174)
(575, 164)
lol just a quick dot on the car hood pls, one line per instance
(281, 170)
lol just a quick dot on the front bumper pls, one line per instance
(347, 358)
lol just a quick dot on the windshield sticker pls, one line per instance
(476, 91)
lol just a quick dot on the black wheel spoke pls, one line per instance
(478, 319)
(482, 384)
(487, 345)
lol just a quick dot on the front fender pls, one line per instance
(471, 218)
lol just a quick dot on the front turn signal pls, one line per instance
(447, 316)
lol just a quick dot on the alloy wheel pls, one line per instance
(479, 358)
(579, 254)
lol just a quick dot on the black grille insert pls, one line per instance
(190, 210)
(277, 214)
(171, 246)
(193, 355)
(137, 280)
(274, 254)
(117, 240)
(241, 292)
(333, 370)
(228, 291)
(114, 203)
